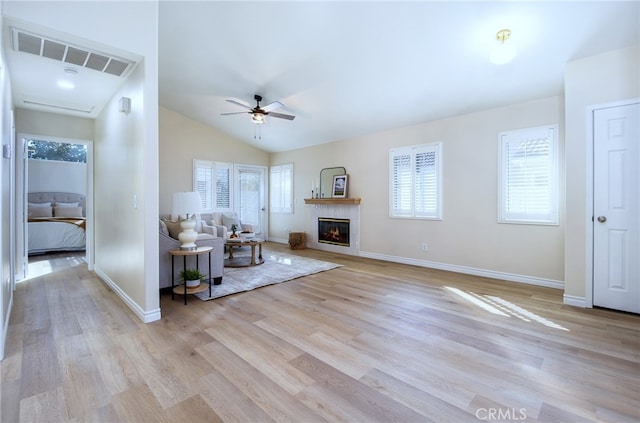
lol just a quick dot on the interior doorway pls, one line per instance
(66, 173)
(616, 207)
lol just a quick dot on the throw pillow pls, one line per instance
(231, 219)
(40, 212)
(163, 228)
(67, 211)
(48, 204)
(66, 204)
(174, 228)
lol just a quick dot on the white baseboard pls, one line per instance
(531, 280)
(572, 300)
(144, 316)
(279, 240)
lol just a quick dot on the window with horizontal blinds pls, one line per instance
(281, 188)
(415, 181)
(528, 176)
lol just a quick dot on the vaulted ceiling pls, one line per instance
(343, 69)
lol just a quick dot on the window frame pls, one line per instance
(550, 217)
(411, 212)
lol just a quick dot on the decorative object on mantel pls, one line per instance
(339, 186)
(326, 181)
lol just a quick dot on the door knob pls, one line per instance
(602, 219)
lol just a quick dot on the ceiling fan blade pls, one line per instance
(237, 103)
(234, 113)
(282, 116)
(272, 106)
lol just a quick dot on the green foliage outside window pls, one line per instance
(64, 152)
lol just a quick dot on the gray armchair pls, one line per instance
(167, 242)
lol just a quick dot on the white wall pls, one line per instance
(125, 147)
(34, 122)
(6, 170)
(55, 176)
(182, 140)
(604, 78)
(468, 239)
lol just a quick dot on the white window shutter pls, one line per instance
(415, 182)
(281, 188)
(528, 178)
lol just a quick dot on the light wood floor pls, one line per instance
(370, 341)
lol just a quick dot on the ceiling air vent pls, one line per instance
(64, 52)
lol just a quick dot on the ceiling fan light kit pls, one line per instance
(258, 114)
(504, 50)
(257, 118)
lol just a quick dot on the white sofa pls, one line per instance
(222, 221)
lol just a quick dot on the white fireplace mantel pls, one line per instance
(330, 208)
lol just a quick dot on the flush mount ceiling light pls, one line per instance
(504, 50)
(65, 84)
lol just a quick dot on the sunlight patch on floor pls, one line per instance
(502, 307)
(44, 267)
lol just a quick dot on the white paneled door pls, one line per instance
(616, 231)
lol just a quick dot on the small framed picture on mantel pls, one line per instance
(339, 186)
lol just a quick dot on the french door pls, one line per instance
(250, 187)
(616, 207)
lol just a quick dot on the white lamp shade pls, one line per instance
(186, 203)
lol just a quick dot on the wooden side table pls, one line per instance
(182, 289)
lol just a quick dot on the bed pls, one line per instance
(56, 222)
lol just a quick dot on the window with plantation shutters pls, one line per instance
(212, 180)
(202, 183)
(281, 188)
(528, 191)
(223, 186)
(415, 181)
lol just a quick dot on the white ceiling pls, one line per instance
(349, 68)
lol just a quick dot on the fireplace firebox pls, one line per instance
(333, 231)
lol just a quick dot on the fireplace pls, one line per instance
(333, 231)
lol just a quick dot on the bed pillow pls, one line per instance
(40, 211)
(48, 204)
(66, 204)
(67, 211)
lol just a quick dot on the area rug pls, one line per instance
(277, 268)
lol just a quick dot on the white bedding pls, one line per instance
(55, 236)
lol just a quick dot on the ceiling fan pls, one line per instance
(258, 113)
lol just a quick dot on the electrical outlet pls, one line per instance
(425, 247)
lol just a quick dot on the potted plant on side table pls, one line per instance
(191, 277)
